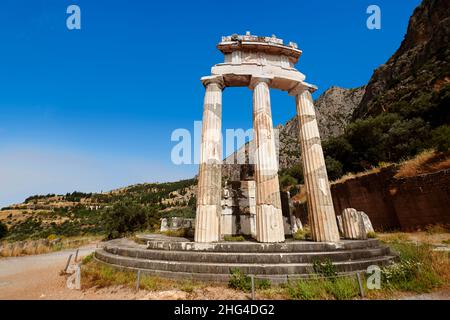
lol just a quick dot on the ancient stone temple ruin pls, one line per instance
(261, 64)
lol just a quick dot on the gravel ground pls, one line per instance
(37, 277)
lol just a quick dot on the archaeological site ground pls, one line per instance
(242, 165)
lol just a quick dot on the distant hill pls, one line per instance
(78, 213)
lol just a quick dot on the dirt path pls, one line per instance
(37, 277)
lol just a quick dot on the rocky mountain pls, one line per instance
(334, 109)
(421, 64)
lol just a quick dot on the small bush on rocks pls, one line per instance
(241, 281)
(325, 268)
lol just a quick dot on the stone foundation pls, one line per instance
(182, 259)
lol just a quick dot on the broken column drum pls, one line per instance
(261, 64)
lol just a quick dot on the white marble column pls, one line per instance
(207, 223)
(269, 218)
(322, 219)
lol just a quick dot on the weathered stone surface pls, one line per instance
(353, 225)
(210, 176)
(262, 63)
(367, 223)
(408, 204)
(269, 218)
(239, 209)
(212, 261)
(321, 215)
(340, 224)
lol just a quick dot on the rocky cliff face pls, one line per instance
(334, 109)
(420, 65)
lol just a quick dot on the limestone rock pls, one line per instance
(340, 224)
(353, 225)
(367, 223)
(419, 66)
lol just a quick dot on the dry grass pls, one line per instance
(95, 274)
(350, 176)
(33, 247)
(433, 235)
(426, 162)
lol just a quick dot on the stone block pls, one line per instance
(353, 225)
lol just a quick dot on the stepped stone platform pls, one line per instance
(180, 258)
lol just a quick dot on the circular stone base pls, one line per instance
(183, 259)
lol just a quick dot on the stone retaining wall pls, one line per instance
(407, 203)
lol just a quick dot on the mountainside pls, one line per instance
(77, 213)
(421, 64)
(334, 109)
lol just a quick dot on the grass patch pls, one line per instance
(95, 274)
(342, 288)
(234, 238)
(426, 162)
(325, 268)
(241, 281)
(436, 229)
(179, 233)
(419, 269)
(308, 289)
(34, 247)
(302, 234)
(371, 235)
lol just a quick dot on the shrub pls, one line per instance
(88, 258)
(325, 268)
(302, 234)
(371, 235)
(241, 281)
(293, 191)
(415, 270)
(296, 172)
(123, 218)
(3, 230)
(440, 138)
(334, 168)
(286, 181)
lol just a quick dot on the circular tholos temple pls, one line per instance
(261, 64)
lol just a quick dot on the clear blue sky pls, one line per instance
(93, 109)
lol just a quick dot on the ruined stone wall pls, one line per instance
(391, 203)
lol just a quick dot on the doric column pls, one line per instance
(269, 218)
(322, 219)
(207, 223)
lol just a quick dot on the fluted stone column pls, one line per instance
(269, 218)
(353, 224)
(321, 214)
(207, 223)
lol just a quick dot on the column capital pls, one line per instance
(302, 87)
(213, 79)
(257, 79)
